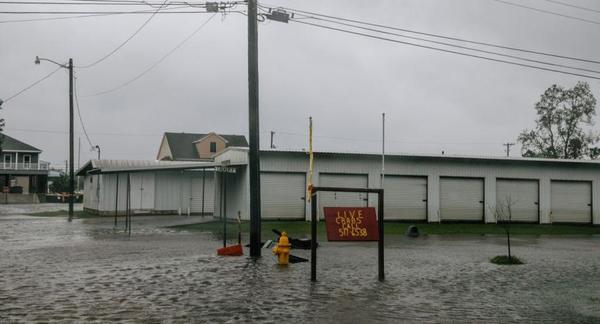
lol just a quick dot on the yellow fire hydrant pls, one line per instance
(282, 249)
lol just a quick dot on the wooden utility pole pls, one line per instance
(253, 130)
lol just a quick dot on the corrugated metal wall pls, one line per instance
(173, 191)
(489, 170)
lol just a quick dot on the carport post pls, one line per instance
(224, 209)
(313, 236)
(117, 200)
(129, 202)
(203, 182)
(380, 242)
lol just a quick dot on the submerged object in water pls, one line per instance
(233, 250)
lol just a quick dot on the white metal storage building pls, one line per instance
(417, 187)
(155, 187)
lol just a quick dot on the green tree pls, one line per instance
(563, 125)
(60, 184)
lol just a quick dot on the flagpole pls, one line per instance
(382, 149)
(310, 159)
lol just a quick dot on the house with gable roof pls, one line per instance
(21, 170)
(196, 147)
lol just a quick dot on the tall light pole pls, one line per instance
(68, 66)
(253, 130)
(98, 149)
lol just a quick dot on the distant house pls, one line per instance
(196, 147)
(21, 170)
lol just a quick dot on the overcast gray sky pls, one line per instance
(434, 101)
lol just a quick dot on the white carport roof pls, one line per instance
(130, 166)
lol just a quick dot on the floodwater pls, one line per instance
(87, 271)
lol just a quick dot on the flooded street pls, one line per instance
(85, 271)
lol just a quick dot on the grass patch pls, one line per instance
(505, 260)
(302, 228)
(65, 213)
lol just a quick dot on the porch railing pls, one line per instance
(24, 166)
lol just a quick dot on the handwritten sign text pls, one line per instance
(351, 224)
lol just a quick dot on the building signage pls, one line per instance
(351, 224)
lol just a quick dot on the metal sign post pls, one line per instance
(313, 227)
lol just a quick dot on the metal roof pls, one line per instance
(183, 148)
(130, 166)
(445, 157)
(13, 144)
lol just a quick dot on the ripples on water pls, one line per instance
(85, 271)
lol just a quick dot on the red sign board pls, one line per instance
(351, 224)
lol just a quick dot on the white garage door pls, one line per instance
(571, 202)
(522, 195)
(461, 199)
(405, 198)
(198, 180)
(282, 195)
(342, 199)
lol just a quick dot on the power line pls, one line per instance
(446, 50)
(106, 13)
(379, 140)
(126, 41)
(31, 85)
(444, 36)
(458, 46)
(79, 114)
(50, 131)
(119, 3)
(99, 12)
(124, 84)
(573, 6)
(548, 12)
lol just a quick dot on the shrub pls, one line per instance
(505, 259)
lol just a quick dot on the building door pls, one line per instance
(522, 195)
(461, 199)
(405, 198)
(142, 191)
(202, 183)
(283, 195)
(342, 199)
(571, 202)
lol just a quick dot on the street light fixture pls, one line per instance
(68, 66)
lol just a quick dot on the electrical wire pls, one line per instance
(99, 12)
(79, 113)
(379, 140)
(458, 46)
(120, 3)
(126, 41)
(445, 50)
(49, 131)
(297, 11)
(124, 84)
(548, 12)
(32, 85)
(572, 6)
(103, 14)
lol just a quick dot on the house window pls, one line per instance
(27, 161)
(7, 160)
(213, 147)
